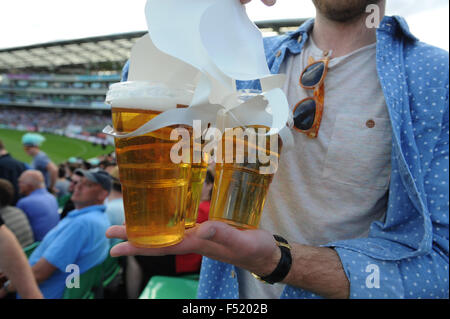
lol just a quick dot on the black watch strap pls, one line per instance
(284, 265)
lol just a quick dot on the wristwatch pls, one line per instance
(284, 265)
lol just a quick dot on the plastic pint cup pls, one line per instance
(154, 187)
(198, 175)
(244, 170)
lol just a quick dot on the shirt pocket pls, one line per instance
(359, 152)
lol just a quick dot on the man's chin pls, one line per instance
(343, 10)
(76, 200)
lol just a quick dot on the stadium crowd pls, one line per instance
(52, 121)
(56, 222)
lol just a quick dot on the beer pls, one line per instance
(198, 174)
(154, 187)
(240, 188)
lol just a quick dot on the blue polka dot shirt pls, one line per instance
(406, 256)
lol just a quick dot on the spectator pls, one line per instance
(52, 121)
(10, 169)
(205, 200)
(108, 166)
(14, 266)
(38, 204)
(86, 165)
(69, 205)
(114, 202)
(14, 218)
(31, 143)
(79, 239)
(62, 184)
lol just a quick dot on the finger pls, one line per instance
(219, 238)
(117, 232)
(214, 240)
(253, 250)
(224, 234)
(269, 2)
(189, 244)
(218, 232)
(266, 2)
(127, 249)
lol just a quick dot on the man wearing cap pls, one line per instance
(78, 241)
(31, 144)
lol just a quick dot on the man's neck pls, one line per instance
(342, 37)
(79, 206)
(35, 189)
(114, 195)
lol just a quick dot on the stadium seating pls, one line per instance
(165, 287)
(90, 285)
(30, 248)
(110, 270)
(94, 282)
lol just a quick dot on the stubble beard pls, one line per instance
(343, 10)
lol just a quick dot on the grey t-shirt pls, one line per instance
(16, 220)
(332, 187)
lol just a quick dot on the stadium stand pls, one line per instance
(94, 55)
(60, 87)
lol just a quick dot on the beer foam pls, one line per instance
(148, 95)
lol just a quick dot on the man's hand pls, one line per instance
(266, 2)
(317, 269)
(253, 250)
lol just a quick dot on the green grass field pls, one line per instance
(58, 148)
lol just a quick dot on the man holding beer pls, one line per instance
(359, 208)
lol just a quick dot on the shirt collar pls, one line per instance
(299, 36)
(396, 25)
(38, 191)
(88, 209)
(390, 24)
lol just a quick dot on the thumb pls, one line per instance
(247, 249)
(231, 237)
(207, 230)
(219, 232)
(269, 2)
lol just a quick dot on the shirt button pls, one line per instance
(233, 274)
(278, 54)
(370, 123)
(300, 38)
